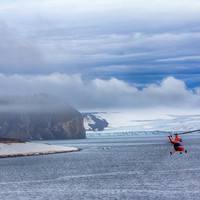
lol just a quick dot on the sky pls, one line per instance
(102, 54)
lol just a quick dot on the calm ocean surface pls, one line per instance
(111, 168)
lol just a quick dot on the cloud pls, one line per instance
(135, 41)
(185, 58)
(75, 12)
(139, 52)
(103, 94)
(16, 54)
(40, 104)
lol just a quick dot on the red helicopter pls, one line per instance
(177, 142)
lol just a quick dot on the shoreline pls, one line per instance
(32, 149)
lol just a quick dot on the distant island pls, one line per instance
(39, 117)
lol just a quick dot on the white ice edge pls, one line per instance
(31, 148)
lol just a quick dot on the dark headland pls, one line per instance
(39, 117)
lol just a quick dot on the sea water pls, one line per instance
(113, 168)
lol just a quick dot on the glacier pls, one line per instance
(134, 123)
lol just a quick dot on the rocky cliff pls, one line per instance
(93, 122)
(39, 117)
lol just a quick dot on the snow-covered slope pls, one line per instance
(94, 122)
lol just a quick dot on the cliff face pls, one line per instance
(40, 117)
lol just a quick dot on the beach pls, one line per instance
(31, 148)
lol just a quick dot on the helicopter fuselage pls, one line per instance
(177, 142)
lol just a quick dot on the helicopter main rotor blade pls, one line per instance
(187, 132)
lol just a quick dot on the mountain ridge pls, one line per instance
(39, 117)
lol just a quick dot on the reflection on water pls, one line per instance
(106, 168)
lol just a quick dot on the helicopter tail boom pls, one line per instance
(187, 132)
